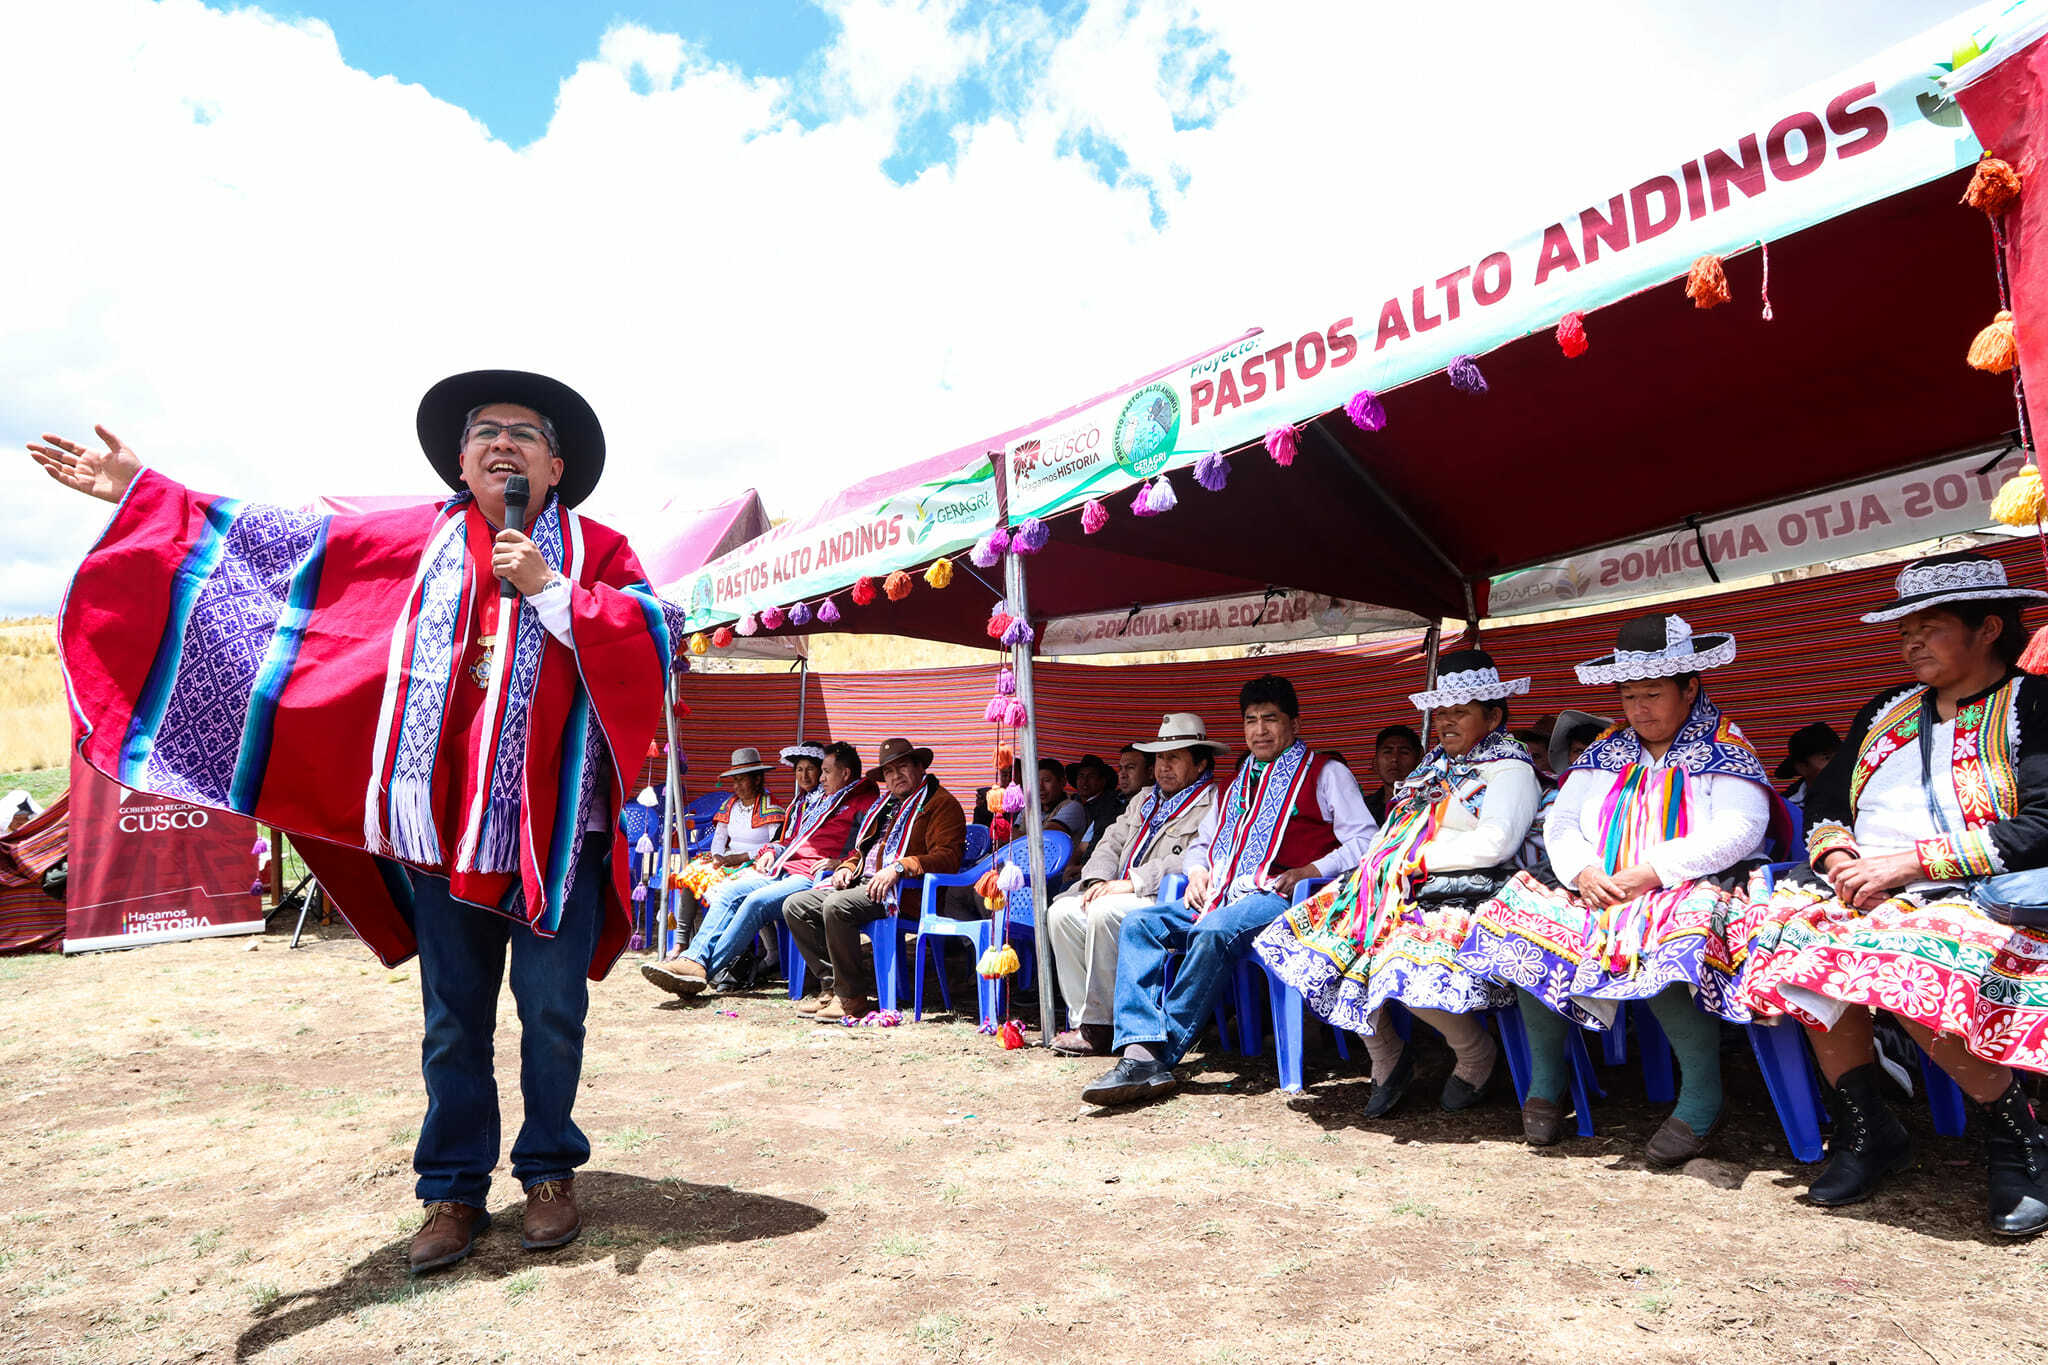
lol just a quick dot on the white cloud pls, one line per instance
(250, 259)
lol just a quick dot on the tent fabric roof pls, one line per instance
(693, 538)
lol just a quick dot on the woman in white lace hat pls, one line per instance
(1652, 842)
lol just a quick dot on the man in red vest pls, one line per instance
(1288, 815)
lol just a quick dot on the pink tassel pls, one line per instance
(1013, 799)
(985, 554)
(1014, 714)
(993, 712)
(800, 614)
(1031, 537)
(1094, 517)
(1212, 472)
(1465, 376)
(772, 619)
(1571, 335)
(1365, 412)
(828, 610)
(1142, 504)
(748, 625)
(1006, 681)
(1281, 444)
(1163, 499)
(261, 848)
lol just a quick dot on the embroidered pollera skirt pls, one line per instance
(1535, 936)
(1933, 958)
(1413, 960)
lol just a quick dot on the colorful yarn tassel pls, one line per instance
(993, 712)
(1031, 537)
(800, 614)
(1010, 877)
(1996, 349)
(940, 574)
(1018, 632)
(256, 888)
(1571, 335)
(682, 663)
(897, 585)
(722, 637)
(1015, 716)
(1013, 799)
(1364, 410)
(2034, 658)
(748, 625)
(1212, 472)
(699, 643)
(2020, 501)
(1094, 516)
(998, 626)
(1141, 505)
(1994, 188)
(772, 618)
(1465, 376)
(1006, 681)
(828, 610)
(1706, 284)
(260, 849)
(1282, 443)
(863, 590)
(985, 555)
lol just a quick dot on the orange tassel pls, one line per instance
(1004, 757)
(1996, 349)
(2034, 658)
(1707, 283)
(1994, 188)
(897, 585)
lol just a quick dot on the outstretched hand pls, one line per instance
(105, 474)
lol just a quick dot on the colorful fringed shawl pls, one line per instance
(325, 674)
(812, 812)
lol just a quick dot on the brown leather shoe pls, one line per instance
(814, 1004)
(551, 1216)
(1542, 1122)
(671, 977)
(446, 1237)
(844, 1008)
(1086, 1040)
(1676, 1143)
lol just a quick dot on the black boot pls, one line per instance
(2016, 1155)
(1869, 1142)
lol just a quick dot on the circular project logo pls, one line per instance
(702, 595)
(1146, 430)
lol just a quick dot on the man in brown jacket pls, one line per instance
(916, 828)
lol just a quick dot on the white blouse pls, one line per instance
(1494, 835)
(738, 832)
(1727, 816)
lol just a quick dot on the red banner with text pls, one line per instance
(148, 870)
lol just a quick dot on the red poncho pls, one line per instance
(325, 674)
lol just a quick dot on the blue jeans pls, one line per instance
(1146, 1012)
(718, 946)
(462, 965)
(719, 906)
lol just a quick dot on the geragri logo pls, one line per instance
(702, 595)
(1146, 430)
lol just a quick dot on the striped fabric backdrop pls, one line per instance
(30, 921)
(1802, 656)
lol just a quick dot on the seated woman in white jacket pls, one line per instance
(1652, 840)
(1456, 829)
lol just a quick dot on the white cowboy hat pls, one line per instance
(1182, 730)
(1961, 577)
(746, 761)
(803, 748)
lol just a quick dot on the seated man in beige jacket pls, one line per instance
(1123, 873)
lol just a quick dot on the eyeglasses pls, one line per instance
(524, 435)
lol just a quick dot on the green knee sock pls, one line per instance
(1696, 1037)
(1549, 1073)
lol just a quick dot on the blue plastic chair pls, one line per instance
(702, 815)
(977, 845)
(1057, 847)
(637, 821)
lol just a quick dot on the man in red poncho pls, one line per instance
(447, 756)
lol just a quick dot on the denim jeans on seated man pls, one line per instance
(719, 907)
(462, 965)
(1169, 1021)
(718, 946)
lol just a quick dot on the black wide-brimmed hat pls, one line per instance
(1657, 647)
(1809, 741)
(576, 426)
(1467, 675)
(1943, 579)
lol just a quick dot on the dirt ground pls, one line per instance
(208, 1158)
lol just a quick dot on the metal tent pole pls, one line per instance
(671, 816)
(1429, 644)
(1034, 815)
(803, 674)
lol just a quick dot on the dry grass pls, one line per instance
(35, 732)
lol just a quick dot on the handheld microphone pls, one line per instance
(516, 493)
